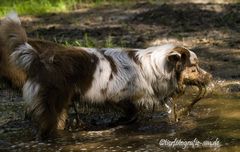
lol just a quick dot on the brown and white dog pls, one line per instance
(125, 78)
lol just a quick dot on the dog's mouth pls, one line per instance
(201, 83)
(202, 88)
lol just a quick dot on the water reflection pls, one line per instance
(216, 117)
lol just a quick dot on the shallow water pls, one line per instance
(214, 119)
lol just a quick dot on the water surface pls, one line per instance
(215, 118)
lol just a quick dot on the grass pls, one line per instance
(85, 42)
(90, 42)
(36, 7)
(109, 42)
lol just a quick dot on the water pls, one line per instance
(215, 119)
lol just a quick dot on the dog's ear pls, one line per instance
(177, 60)
(174, 57)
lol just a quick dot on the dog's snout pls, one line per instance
(197, 75)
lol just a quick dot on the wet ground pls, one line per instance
(211, 30)
(214, 119)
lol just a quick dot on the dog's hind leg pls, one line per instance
(48, 111)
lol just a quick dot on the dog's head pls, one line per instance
(188, 71)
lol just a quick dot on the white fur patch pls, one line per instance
(13, 16)
(193, 57)
(100, 80)
(30, 90)
(106, 88)
(123, 82)
(149, 83)
(23, 56)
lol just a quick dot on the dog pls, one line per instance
(122, 77)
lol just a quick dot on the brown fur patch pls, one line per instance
(185, 55)
(12, 34)
(69, 66)
(191, 74)
(61, 73)
(195, 76)
(110, 60)
(112, 64)
(111, 76)
(180, 65)
(132, 55)
(104, 91)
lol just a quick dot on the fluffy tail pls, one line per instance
(14, 38)
(11, 32)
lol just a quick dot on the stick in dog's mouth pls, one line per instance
(201, 93)
(201, 84)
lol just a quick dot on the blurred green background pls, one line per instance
(35, 7)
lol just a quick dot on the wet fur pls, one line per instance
(125, 78)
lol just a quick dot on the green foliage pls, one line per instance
(89, 42)
(109, 42)
(33, 6)
(36, 7)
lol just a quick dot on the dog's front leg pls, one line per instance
(170, 107)
(130, 112)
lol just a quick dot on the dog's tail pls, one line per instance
(13, 37)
